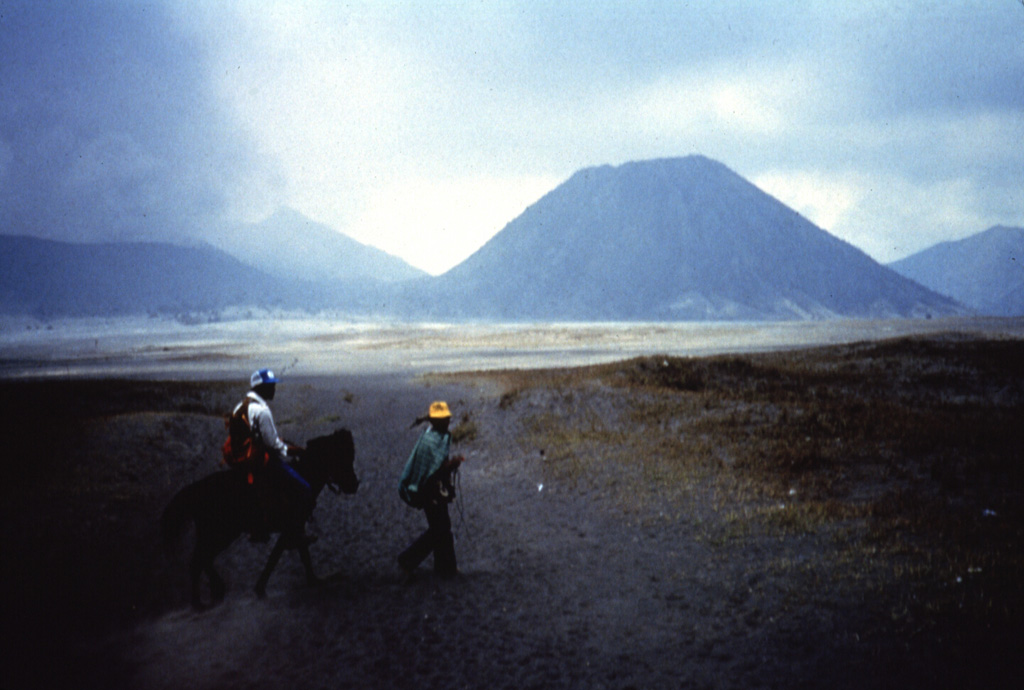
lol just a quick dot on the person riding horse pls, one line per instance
(222, 506)
(275, 476)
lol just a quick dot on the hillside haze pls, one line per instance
(672, 239)
(285, 262)
(46, 278)
(288, 244)
(983, 271)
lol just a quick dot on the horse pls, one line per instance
(223, 505)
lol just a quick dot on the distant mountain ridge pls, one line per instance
(671, 239)
(668, 239)
(47, 278)
(288, 244)
(286, 262)
(984, 271)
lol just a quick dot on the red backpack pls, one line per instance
(240, 450)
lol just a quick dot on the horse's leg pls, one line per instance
(195, 569)
(275, 556)
(218, 588)
(219, 542)
(307, 562)
(209, 543)
(202, 561)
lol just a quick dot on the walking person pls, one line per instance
(426, 483)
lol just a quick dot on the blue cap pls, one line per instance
(261, 377)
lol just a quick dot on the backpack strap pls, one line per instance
(239, 452)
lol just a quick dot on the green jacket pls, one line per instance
(429, 453)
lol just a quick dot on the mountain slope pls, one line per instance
(673, 239)
(289, 244)
(983, 271)
(47, 278)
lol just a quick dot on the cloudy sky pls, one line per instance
(424, 127)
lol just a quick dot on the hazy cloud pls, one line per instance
(424, 127)
(110, 125)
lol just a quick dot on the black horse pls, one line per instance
(223, 505)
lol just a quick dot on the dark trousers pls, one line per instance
(437, 539)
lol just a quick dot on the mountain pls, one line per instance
(46, 278)
(288, 244)
(669, 239)
(983, 271)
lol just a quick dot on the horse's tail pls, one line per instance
(177, 514)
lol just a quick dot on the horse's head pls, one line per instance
(336, 454)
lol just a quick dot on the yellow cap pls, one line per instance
(439, 410)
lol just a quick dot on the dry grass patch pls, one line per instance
(903, 458)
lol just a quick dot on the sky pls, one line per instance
(424, 127)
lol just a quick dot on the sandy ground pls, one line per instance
(141, 347)
(561, 586)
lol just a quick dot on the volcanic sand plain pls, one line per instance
(642, 506)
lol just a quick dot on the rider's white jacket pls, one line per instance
(263, 428)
